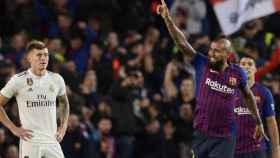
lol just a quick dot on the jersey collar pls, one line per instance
(36, 76)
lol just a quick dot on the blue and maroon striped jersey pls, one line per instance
(246, 124)
(215, 97)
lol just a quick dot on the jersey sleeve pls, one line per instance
(62, 87)
(268, 104)
(10, 89)
(199, 61)
(243, 79)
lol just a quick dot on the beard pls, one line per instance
(217, 66)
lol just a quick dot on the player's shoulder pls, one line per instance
(21, 74)
(19, 78)
(235, 67)
(199, 55)
(55, 75)
(263, 89)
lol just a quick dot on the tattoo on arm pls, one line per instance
(179, 37)
(64, 109)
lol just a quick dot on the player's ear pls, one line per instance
(28, 56)
(254, 69)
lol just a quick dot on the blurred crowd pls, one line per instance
(131, 91)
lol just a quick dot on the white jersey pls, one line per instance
(36, 99)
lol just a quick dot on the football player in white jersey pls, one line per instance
(36, 91)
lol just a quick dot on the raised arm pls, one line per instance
(176, 34)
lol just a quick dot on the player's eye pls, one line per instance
(218, 51)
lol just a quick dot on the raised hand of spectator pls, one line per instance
(148, 48)
(169, 86)
(171, 69)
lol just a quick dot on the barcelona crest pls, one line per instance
(232, 81)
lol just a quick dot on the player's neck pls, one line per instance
(38, 72)
(251, 81)
(224, 66)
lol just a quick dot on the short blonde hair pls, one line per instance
(35, 44)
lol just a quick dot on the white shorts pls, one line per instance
(39, 150)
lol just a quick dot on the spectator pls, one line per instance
(80, 41)
(180, 106)
(112, 42)
(123, 94)
(88, 89)
(170, 145)
(191, 14)
(75, 100)
(86, 124)
(251, 50)
(70, 75)
(7, 70)
(252, 32)
(103, 110)
(272, 64)
(11, 152)
(103, 136)
(57, 48)
(17, 48)
(3, 142)
(175, 96)
(102, 64)
(75, 144)
(62, 27)
(184, 130)
(148, 142)
(64, 6)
